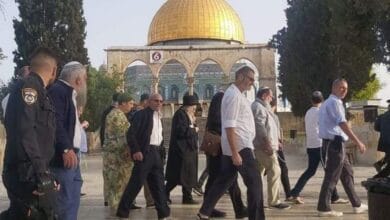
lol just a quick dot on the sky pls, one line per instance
(126, 23)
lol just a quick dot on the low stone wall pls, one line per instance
(288, 121)
(364, 130)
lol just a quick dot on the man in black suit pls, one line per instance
(145, 138)
(72, 83)
(382, 125)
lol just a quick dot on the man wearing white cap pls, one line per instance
(65, 164)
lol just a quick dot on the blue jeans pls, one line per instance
(68, 198)
(314, 155)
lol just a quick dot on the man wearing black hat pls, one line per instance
(382, 125)
(182, 164)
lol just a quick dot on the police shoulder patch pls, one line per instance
(30, 95)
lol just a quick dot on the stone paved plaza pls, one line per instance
(92, 204)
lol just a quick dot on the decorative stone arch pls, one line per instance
(191, 55)
(168, 62)
(214, 59)
(245, 58)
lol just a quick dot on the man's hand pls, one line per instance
(70, 159)
(84, 124)
(267, 148)
(138, 156)
(361, 146)
(281, 145)
(236, 158)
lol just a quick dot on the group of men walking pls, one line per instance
(44, 182)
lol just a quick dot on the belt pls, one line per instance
(156, 146)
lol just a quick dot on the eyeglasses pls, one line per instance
(157, 100)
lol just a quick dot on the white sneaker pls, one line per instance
(362, 208)
(330, 214)
(340, 201)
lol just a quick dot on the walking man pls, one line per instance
(145, 138)
(72, 83)
(238, 132)
(314, 151)
(334, 131)
(267, 144)
(30, 127)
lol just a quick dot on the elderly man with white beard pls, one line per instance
(72, 83)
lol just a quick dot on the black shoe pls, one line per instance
(122, 214)
(243, 213)
(190, 202)
(150, 206)
(217, 214)
(82, 194)
(281, 206)
(133, 206)
(378, 166)
(105, 203)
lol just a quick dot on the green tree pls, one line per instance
(59, 25)
(304, 52)
(325, 40)
(370, 89)
(101, 87)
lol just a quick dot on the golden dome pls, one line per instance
(195, 19)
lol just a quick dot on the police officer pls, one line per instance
(30, 127)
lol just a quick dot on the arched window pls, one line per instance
(174, 94)
(209, 92)
(145, 89)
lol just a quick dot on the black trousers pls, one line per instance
(314, 156)
(284, 173)
(214, 168)
(228, 175)
(337, 167)
(185, 190)
(23, 204)
(151, 170)
(385, 171)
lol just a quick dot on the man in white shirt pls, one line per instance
(238, 132)
(314, 151)
(266, 145)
